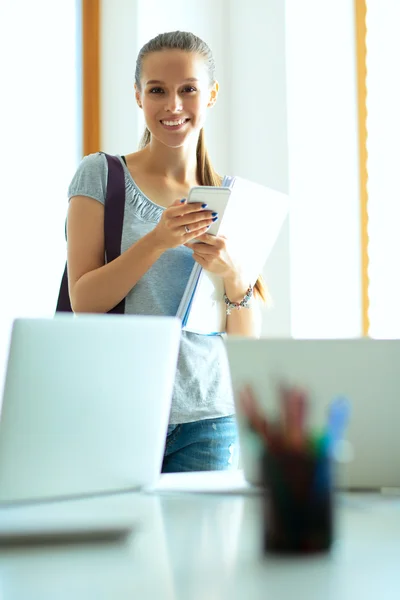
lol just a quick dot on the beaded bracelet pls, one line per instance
(245, 303)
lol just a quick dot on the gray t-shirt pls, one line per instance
(202, 385)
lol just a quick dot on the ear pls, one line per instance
(137, 96)
(213, 94)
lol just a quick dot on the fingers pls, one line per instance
(203, 249)
(181, 207)
(178, 202)
(213, 240)
(193, 234)
(208, 245)
(192, 215)
(180, 213)
(190, 221)
(196, 229)
(194, 219)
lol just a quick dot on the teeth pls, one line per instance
(173, 123)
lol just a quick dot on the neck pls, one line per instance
(179, 164)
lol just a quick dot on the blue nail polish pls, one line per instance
(204, 205)
(215, 219)
(214, 214)
(183, 200)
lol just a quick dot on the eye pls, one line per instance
(189, 89)
(155, 90)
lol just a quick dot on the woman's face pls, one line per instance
(175, 95)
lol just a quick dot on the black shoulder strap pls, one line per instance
(114, 208)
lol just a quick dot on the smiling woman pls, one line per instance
(181, 103)
(192, 89)
(175, 86)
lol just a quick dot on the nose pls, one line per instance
(174, 103)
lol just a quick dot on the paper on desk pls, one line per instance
(205, 482)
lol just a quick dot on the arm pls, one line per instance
(246, 321)
(94, 286)
(97, 287)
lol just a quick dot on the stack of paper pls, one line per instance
(251, 223)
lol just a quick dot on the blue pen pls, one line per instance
(338, 418)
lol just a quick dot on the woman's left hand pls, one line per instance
(211, 252)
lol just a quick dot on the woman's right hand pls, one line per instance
(181, 222)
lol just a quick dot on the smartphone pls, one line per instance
(216, 199)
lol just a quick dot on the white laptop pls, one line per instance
(366, 371)
(86, 404)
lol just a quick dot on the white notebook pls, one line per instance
(251, 222)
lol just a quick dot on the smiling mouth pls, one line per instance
(175, 123)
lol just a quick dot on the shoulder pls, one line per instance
(90, 178)
(95, 163)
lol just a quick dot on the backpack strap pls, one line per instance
(114, 209)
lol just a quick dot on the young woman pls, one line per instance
(175, 86)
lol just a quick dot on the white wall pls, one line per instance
(39, 152)
(119, 47)
(323, 167)
(258, 144)
(383, 51)
(286, 117)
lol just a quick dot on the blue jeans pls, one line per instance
(207, 445)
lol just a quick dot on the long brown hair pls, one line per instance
(188, 42)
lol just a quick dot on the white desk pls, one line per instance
(205, 547)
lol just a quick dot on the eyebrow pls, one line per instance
(156, 81)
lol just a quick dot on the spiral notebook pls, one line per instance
(252, 221)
